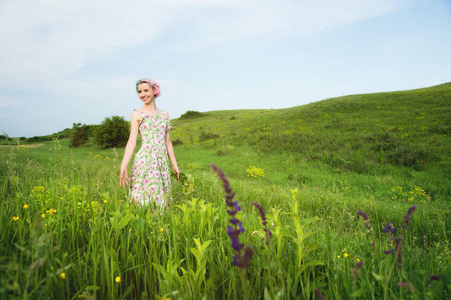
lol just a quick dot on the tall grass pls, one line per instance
(76, 236)
(68, 231)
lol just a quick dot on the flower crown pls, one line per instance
(152, 83)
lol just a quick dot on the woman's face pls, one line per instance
(146, 92)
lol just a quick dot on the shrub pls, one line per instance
(177, 142)
(81, 134)
(205, 136)
(112, 132)
(191, 114)
(409, 156)
(22, 138)
(35, 139)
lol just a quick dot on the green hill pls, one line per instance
(409, 128)
(371, 134)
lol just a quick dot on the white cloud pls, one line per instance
(46, 42)
(51, 39)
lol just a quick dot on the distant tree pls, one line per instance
(81, 134)
(33, 139)
(112, 132)
(22, 138)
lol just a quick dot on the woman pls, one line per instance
(149, 180)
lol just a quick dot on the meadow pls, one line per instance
(352, 200)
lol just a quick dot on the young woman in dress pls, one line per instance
(149, 181)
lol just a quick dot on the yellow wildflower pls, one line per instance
(25, 206)
(346, 255)
(63, 275)
(358, 260)
(43, 215)
(338, 256)
(51, 211)
(118, 279)
(15, 218)
(161, 229)
(104, 201)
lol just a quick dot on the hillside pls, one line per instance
(356, 133)
(367, 134)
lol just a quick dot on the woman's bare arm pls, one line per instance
(129, 148)
(171, 154)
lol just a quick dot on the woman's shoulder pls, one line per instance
(136, 114)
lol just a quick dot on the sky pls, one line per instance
(65, 62)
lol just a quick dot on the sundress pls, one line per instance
(150, 178)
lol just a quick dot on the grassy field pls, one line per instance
(68, 231)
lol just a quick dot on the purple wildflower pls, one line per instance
(434, 278)
(398, 252)
(319, 295)
(367, 225)
(241, 261)
(398, 243)
(388, 252)
(240, 227)
(264, 222)
(408, 216)
(236, 244)
(367, 220)
(234, 221)
(248, 253)
(356, 269)
(363, 215)
(389, 228)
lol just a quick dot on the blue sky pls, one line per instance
(64, 62)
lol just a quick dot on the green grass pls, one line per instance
(322, 162)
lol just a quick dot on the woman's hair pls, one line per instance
(152, 83)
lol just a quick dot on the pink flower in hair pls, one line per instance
(152, 83)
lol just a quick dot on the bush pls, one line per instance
(81, 134)
(36, 139)
(177, 142)
(205, 136)
(191, 114)
(112, 132)
(22, 138)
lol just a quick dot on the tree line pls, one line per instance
(112, 132)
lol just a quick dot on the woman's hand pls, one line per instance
(123, 179)
(176, 170)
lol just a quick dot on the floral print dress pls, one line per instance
(150, 177)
